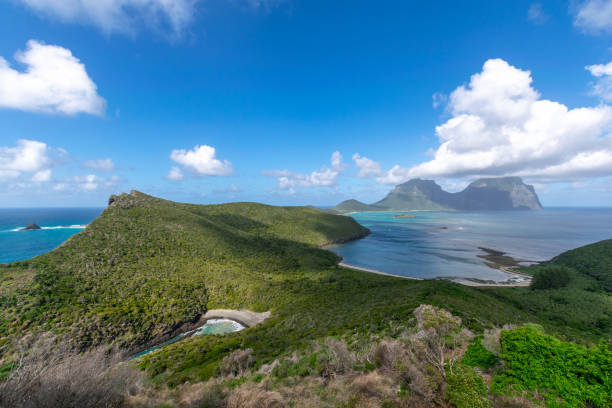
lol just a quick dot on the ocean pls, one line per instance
(434, 244)
(58, 224)
(439, 244)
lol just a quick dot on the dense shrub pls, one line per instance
(466, 389)
(551, 277)
(556, 369)
(478, 356)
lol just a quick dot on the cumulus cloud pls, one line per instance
(594, 16)
(33, 167)
(29, 156)
(54, 81)
(366, 166)
(500, 125)
(200, 161)
(325, 177)
(103, 165)
(118, 15)
(602, 87)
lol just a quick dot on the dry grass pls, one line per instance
(49, 374)
(253, 396)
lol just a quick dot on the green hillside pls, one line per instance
(350, 206)
(578, 294)
(594, 260)
(148, 268)
(147, 265)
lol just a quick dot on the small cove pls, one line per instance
(212, 326)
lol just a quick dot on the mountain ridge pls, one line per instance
(498, 193)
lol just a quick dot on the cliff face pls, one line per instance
(506, 193)
(502, 193)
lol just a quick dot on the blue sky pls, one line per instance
(270, 100)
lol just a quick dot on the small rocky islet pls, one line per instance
(30, 226)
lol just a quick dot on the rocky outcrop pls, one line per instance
(30, 226)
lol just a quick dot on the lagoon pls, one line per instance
(445, 244)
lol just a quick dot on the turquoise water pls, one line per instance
(445, 244)
(212, 326)
(58, 225)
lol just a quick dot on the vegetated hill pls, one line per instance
(578, 292)
(503, 193)
(350, 206)
(594, 260)
(146, 266)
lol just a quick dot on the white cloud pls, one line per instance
(602, 87)
(92, 182)
(325, 177)
(103, 165)
(366, 166)
(54, 81)
(29, 156)
(501, 126)
(89, 182)
(175, 174)
(42, 176)
(118, 15)
(536, 14)
(594, 16)
(201, 161)
(600, 70)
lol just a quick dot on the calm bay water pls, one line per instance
(58, 225)
(445, 244)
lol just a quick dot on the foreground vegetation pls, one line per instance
(148, 268)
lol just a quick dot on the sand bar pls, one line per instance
(246, 318)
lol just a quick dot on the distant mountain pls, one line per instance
(502, 193)
(349, 206)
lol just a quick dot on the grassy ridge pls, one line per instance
(147, 265)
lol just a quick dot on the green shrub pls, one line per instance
(558, 370)
(466, 389)
(478, 356)
(551, 277)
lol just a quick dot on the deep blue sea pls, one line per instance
(445, 244)
(58, 225)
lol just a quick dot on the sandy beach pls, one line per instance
(246, 318)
